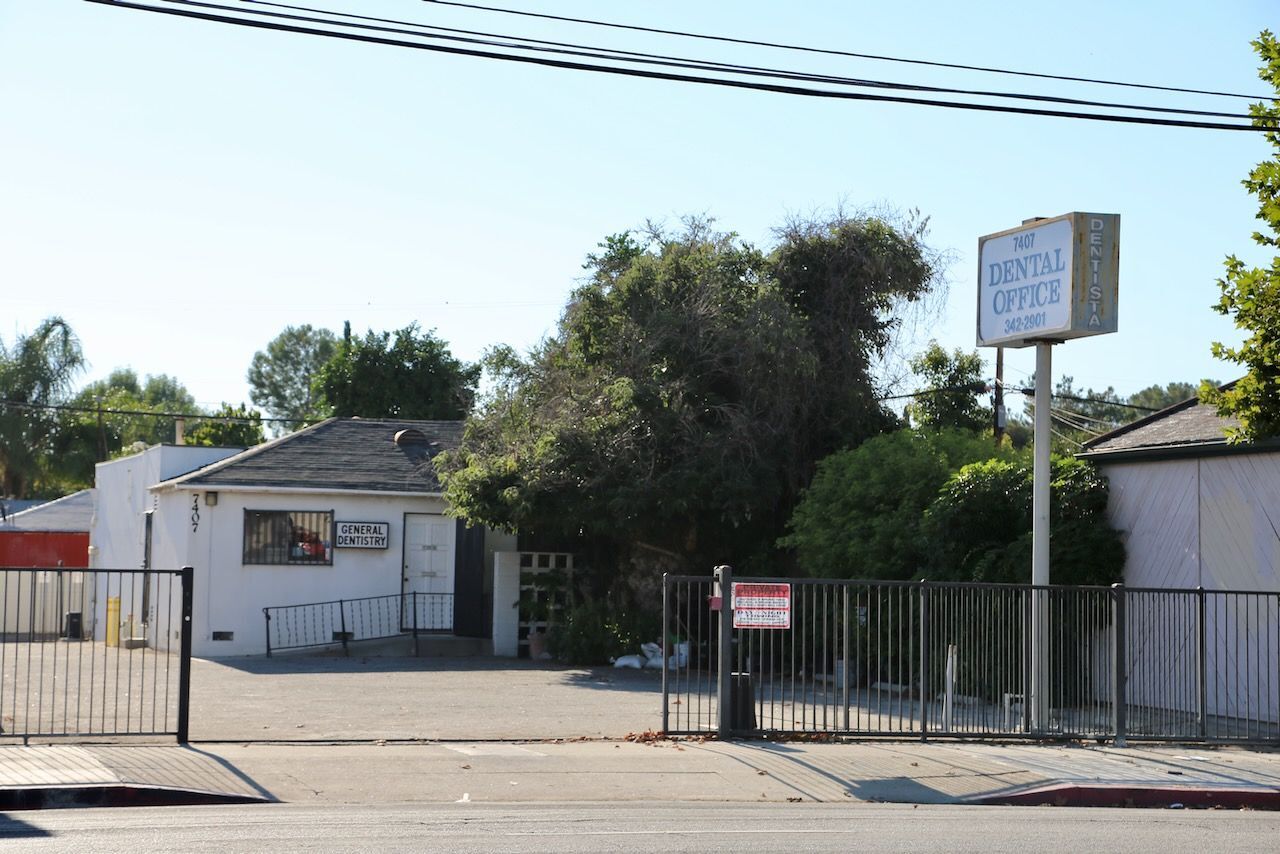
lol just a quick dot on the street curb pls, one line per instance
(114, 795)
(1073, 795)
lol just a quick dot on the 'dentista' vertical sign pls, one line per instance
(1049, 280)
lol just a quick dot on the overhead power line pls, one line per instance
(846, 53)
(972, 388)
(1066, 438)
(1031, 391)
(1067, 417)
(503, 40)
(239, 20)
(149, 413)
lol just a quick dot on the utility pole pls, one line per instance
(998, 407)
(102, 433)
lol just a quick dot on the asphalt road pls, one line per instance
(649, 828)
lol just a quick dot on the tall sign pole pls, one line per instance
(1041, 475)
(1045, 282)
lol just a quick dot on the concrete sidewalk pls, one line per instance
(614, 771)
(330, 729)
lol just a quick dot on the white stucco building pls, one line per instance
(344, 509)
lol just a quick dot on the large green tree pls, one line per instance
(952, 385)
(282, 377)
(125, 393)
(691, 385)
(36, 371)
(401, 374)
(109, 416)
(1157, 397)
(228, 427)
(1251, 295)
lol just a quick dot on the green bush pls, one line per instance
(979, 528)
(592, 632)
(861, 515)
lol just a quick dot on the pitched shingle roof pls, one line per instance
(338, 454)
(1186, 428)
(71, 512)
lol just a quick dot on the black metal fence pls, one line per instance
(976, 660)
(95, 652)
(347, 621)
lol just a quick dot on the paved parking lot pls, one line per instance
(303, 698)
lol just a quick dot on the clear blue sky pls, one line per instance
(180, 191)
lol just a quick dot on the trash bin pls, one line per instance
(73, 628)
(742, 702)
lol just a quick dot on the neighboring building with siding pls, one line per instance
(50, 534)
(1198, 512)
(1194, 510)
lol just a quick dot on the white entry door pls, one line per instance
(428, 553)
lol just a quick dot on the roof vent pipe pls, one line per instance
(410, 437)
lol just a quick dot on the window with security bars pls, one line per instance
(288, 537)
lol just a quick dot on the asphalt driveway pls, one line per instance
(328, 697)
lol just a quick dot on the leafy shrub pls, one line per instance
(593, 631)
(861, 515)
(979, 528)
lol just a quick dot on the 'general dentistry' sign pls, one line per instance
(1049, 280)
(362, 535)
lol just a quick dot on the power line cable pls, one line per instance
(1256, 126)
(1064, 416)
(852, 54)
(1066, 439)
(1054, 415)
(1083, 417)
(190, 416)
(640, 57)
(972, 388)
(1029, 392)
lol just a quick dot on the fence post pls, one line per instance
(184, 663)
(266, 612)
(924, 660)
(342, 622)
(666, 711)
(1027, 605)
(724, 718)
(845, 673)
(1119, 664)
(413, 603)
(1201, 664)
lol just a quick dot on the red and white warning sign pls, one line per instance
(761, 606)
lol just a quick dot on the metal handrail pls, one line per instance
(314, 625)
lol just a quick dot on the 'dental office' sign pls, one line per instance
(1049, 280)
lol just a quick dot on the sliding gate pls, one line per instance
(95, 653)
(821, 657)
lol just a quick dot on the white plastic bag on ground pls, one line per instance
(635, 662)
(652, 654)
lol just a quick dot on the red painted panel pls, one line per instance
(44, 548)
